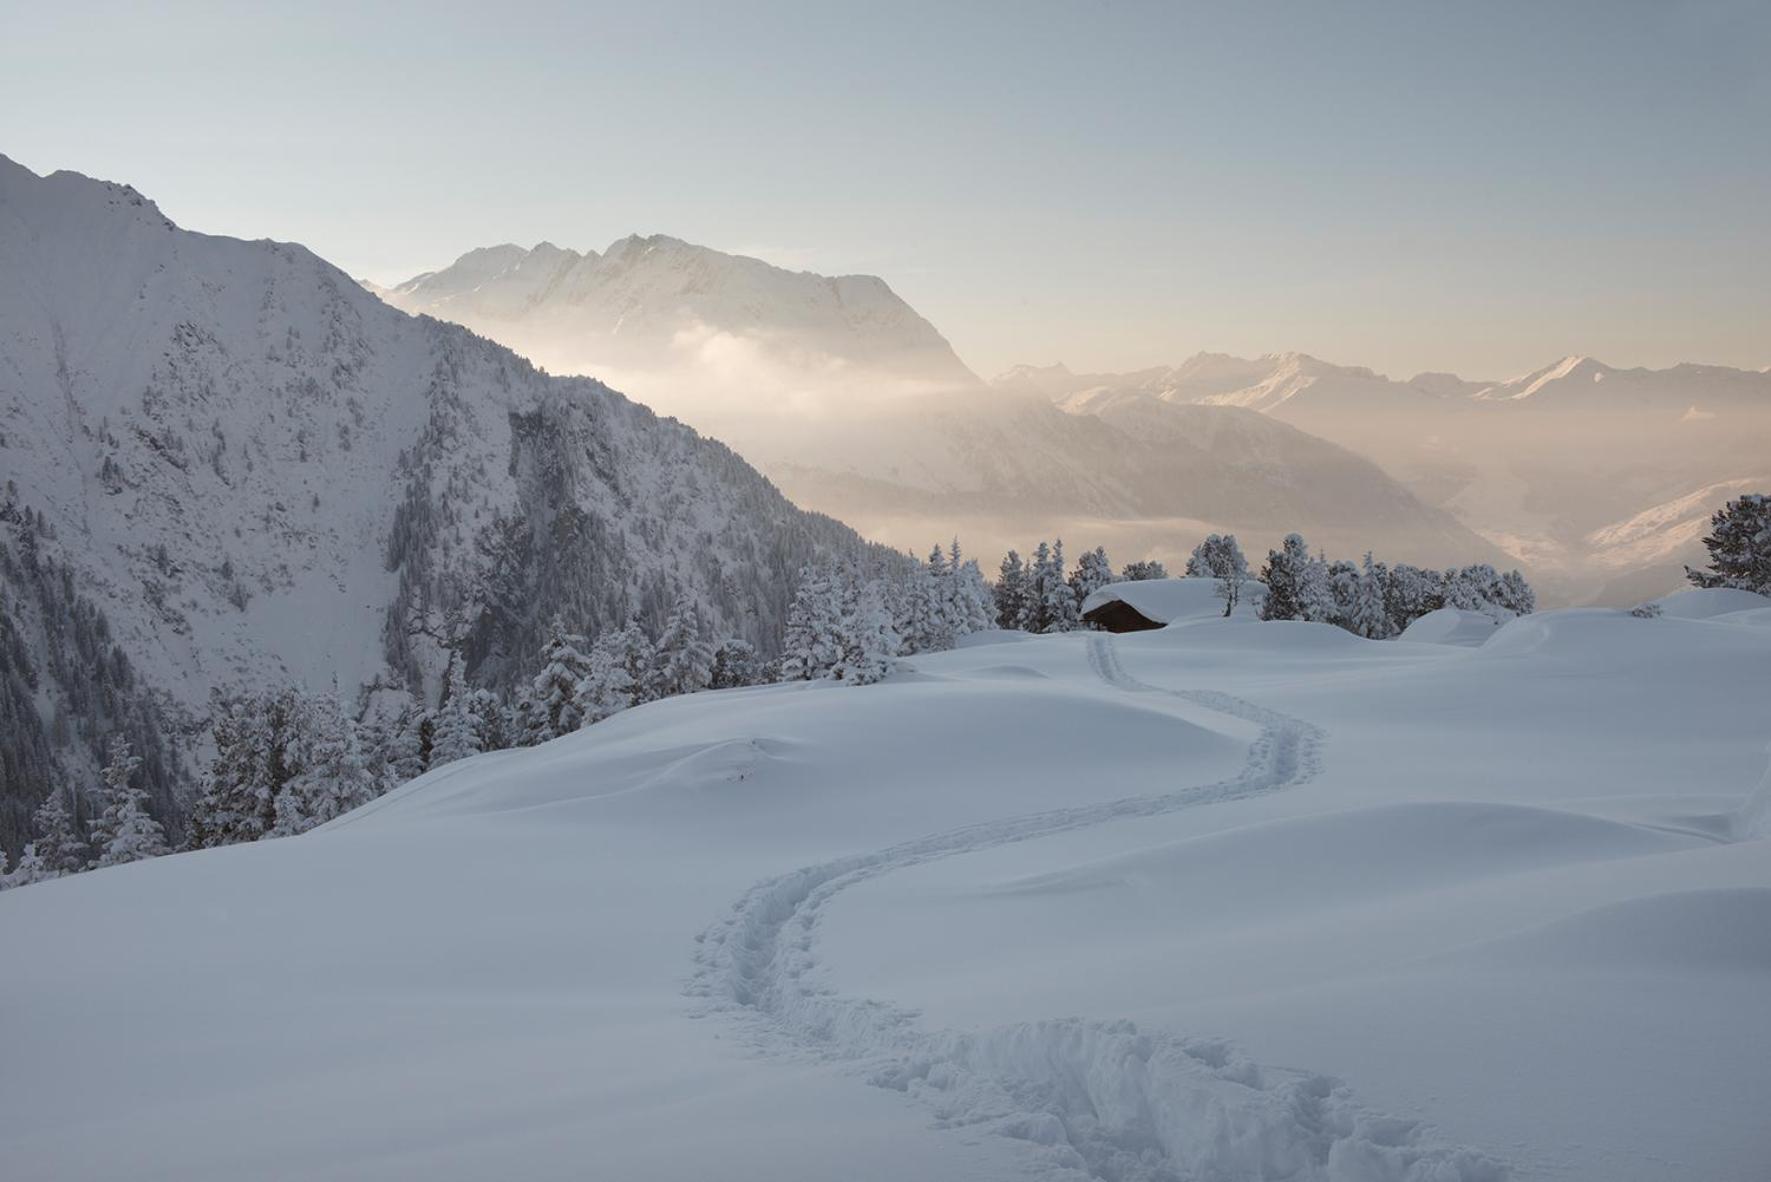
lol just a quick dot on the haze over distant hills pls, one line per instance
(1557, 466)
(857, 406)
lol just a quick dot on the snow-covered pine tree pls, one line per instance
(683, 660)
(554, 690)
(31, 868)
(1092, 572)
(1514, 594)
(1043, 610)
(1011, 592)
(973, 610)
(58, 846)
(734, 664)
(1476, 588)
(1059, 601)
(607, 688)
(1410, 593)
(1143, 569)
(1343, 587)
(1366, 616)
(933, 623)
(456, 734)
(813, 642)
(1284, 575)
(870, 644)
(257, 753)
(330, 775)
(130, 832)
(493, 721)
(1739, 545)
(640, 655)
(410, 736)
(1315, 592)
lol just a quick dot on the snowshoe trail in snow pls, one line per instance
(1087, 1099)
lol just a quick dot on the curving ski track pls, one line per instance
(1090, 1099)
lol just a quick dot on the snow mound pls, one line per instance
(1355, 854)
(992, 636)
(1259, 637)
(1704, 603)
(1011, 673)
(1724, 929)
(1450, 625)
(1754, 818)
(1601, 640)
(1167, 601)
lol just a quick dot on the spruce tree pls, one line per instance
(58, 845)
(457, 732)
(1284, 574)
(870, 643)
(31, 867)
(684, 661)
(1366, 616)
(555, 689)
(973, 610)
(1092, 572)
(813, 643)
(330, 775)
(1011, 592)
(734, 664)
(1739, 545)
(130, 833)
(607, 688)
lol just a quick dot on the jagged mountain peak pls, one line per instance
(648, 301)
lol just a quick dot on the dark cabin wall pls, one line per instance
(1119, 616)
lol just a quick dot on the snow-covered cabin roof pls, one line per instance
(1163, 601)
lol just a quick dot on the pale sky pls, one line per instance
(1476, 187)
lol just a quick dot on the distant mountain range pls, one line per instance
(1549, 466)
(858, 407)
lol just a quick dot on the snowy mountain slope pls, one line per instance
(1228, 899)
(1537, 465)
(262, 474)
(647, 301)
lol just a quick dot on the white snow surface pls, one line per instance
(1451, 625)
(1226, 900)
(1706, 603)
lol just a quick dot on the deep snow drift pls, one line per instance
(1225, 900)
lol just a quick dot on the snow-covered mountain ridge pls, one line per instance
(260, 473)
(646, 298)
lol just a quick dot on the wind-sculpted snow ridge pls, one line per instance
(1090, 1099)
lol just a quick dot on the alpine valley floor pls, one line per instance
(1227, 900)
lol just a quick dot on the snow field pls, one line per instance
(1128, 908)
